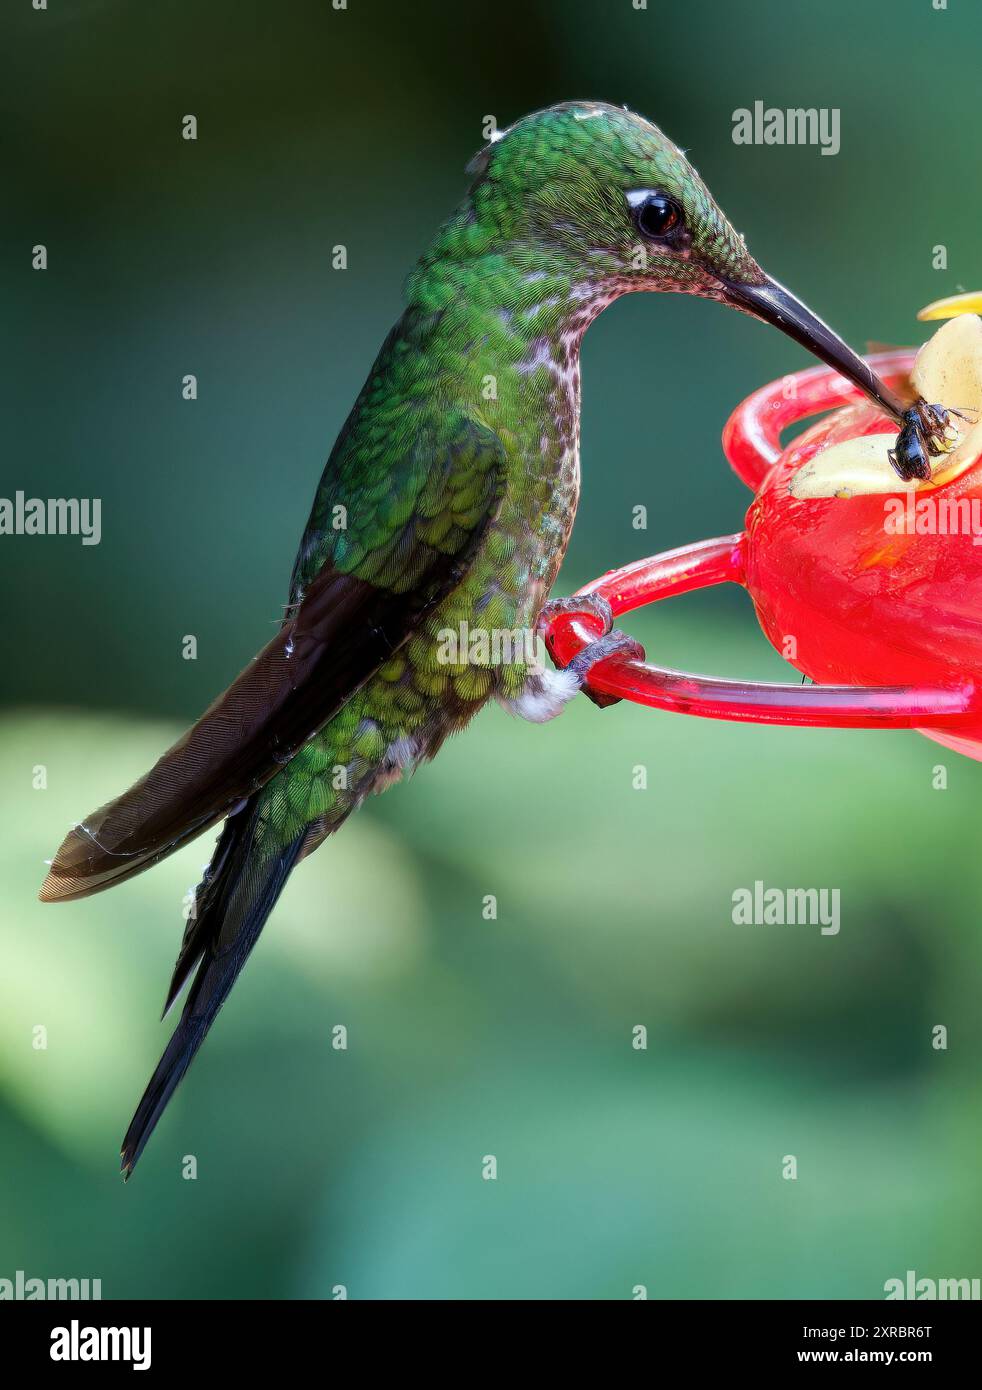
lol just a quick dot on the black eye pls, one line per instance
(656, 214)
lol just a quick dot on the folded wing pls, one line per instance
(348, 622)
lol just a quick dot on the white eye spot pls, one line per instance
(639, 195)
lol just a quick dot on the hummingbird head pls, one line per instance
(603, 198)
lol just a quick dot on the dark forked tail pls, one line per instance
(243, 882)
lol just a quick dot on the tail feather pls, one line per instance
(227, 864)
(237, 897)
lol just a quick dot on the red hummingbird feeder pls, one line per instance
(886, 621)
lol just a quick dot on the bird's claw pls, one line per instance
(576, 603)
(612, 643)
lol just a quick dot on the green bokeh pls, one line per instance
(468, 1037)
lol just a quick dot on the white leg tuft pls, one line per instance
(546, 694)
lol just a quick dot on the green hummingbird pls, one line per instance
(447, 500)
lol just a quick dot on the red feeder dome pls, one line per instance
(888, 624)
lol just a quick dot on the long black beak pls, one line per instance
(772, 303)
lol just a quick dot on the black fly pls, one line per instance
(923, 434)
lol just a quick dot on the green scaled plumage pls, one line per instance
(447, 503)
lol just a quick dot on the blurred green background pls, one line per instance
(468, 1037)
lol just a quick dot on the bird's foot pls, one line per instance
(581, 603)
(611, 641)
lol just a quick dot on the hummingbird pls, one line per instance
(447, 500)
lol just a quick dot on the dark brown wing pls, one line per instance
(344, 629)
